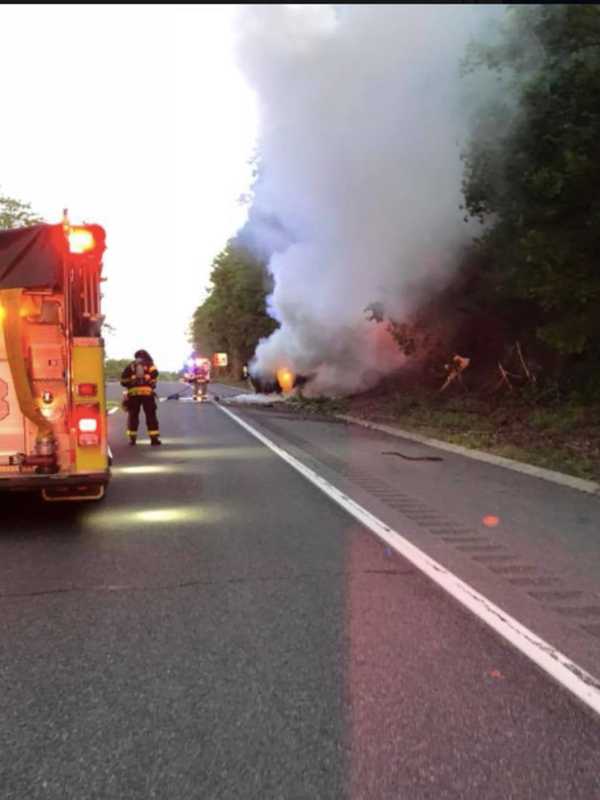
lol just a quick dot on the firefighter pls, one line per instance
(139, 378)
(198, 375)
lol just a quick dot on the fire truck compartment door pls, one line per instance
(12, 422)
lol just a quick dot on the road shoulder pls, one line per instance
(580, 484)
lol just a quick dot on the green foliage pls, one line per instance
(234, 318)
(15, 214)
(563, 419)
(113, 367)
(322, 406)
(532, 169)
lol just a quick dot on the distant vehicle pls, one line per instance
(53, 431)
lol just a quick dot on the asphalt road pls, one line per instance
(218, 628)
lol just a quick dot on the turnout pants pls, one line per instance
(148, 403)
(200, 388)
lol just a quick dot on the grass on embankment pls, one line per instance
(236, 384)
(563, 437)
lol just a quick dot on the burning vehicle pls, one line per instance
(283, 381)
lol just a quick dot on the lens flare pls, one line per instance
(285, 378)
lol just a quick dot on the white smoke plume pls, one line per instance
(362, 120)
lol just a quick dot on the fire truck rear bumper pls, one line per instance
(25, 483)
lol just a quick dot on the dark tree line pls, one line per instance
(530, 283)
(532, 176)
(234, 317)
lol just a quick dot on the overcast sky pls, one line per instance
(137, 118)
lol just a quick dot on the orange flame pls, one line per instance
(285, 378)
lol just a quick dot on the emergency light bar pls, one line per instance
(81, 240)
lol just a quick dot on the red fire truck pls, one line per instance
(53, 431)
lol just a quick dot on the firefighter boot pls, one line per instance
(154, 440)
(132, 438)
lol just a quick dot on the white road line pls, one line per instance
(113, 410)
(572, 677)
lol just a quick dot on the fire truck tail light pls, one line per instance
(88, 425)
(87, 389)
(88, 433)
